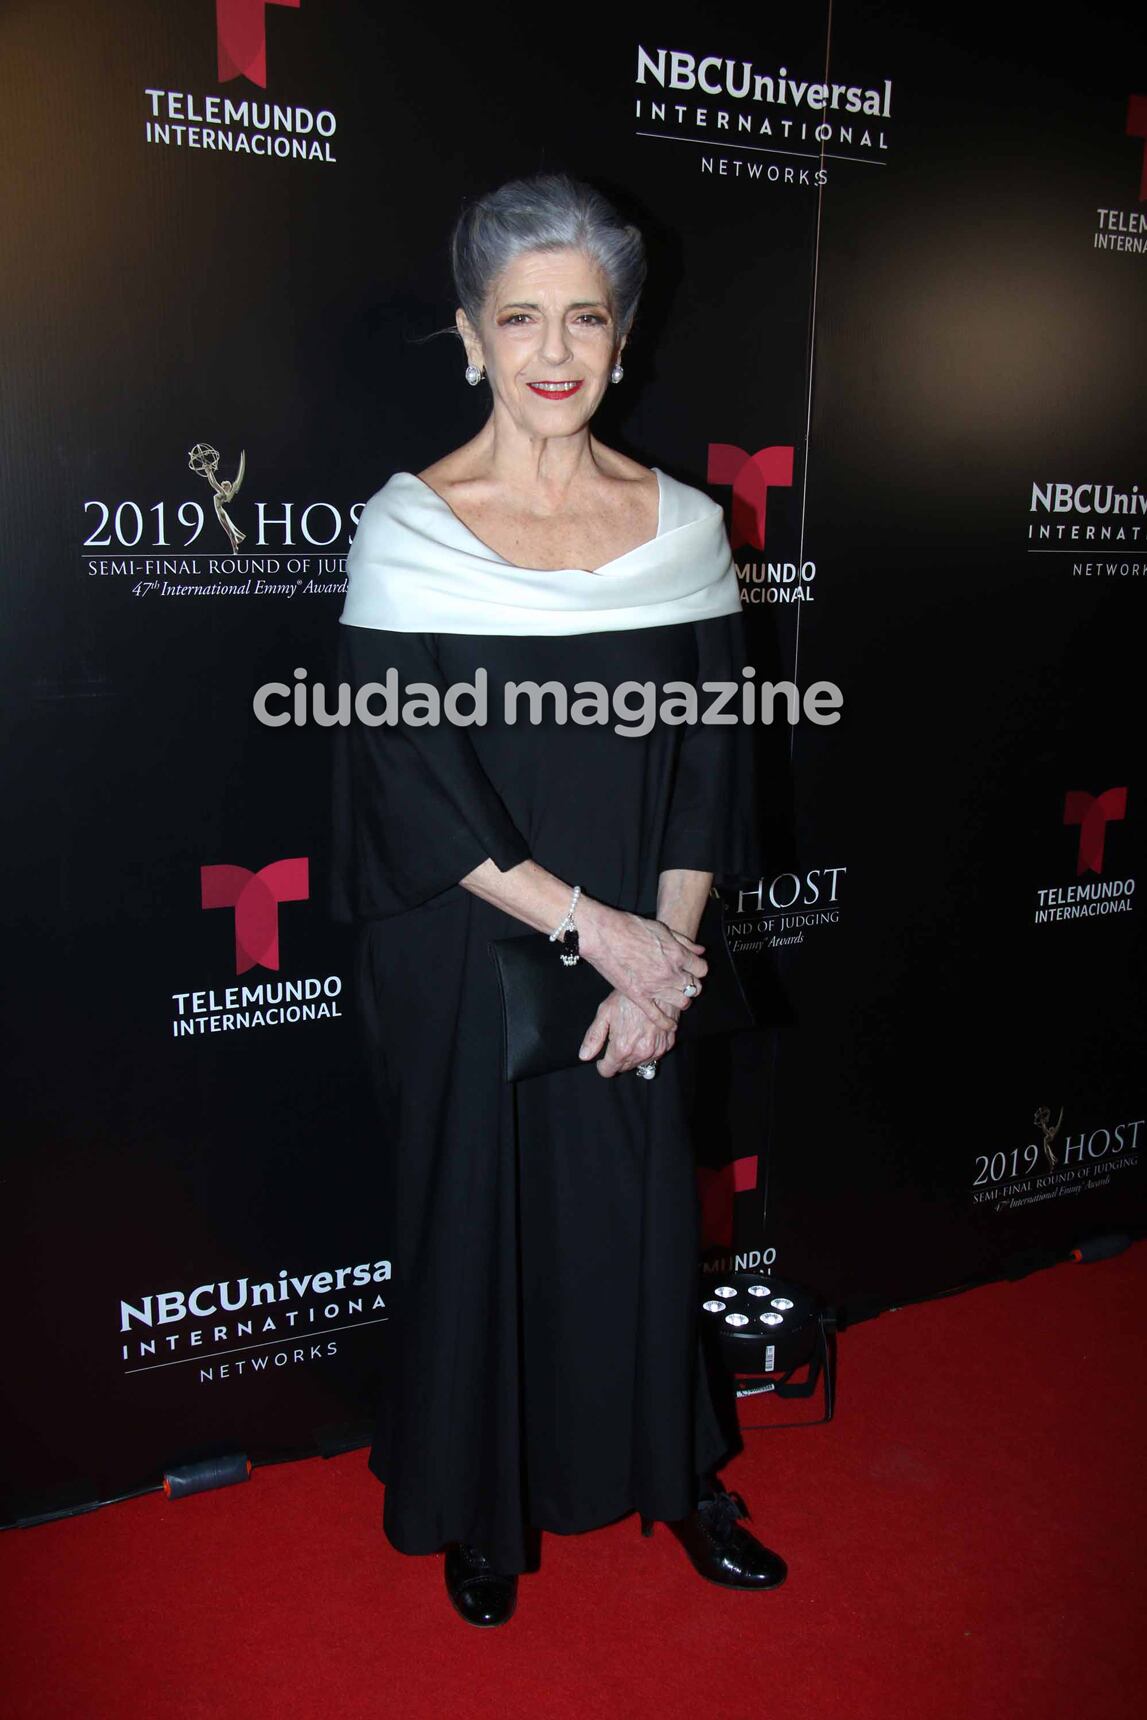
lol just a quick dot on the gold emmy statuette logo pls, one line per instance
(1049, 1130)
(204, 459)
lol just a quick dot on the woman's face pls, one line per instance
(547, 340)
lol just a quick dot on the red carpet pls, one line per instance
(962, 1542)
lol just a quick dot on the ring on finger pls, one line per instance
(690, 989)
(646, 1070)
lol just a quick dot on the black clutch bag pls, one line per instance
(546, 1006)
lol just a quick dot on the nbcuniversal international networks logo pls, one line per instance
(208, 1325)
(750, 477)
(773, 124)
(236, 123)
(254, 900)
(1097, 896)
(1102, 526)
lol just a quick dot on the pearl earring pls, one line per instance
(473, 375)
(616, 373)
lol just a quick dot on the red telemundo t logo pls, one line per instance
(717, 1187)
(1093, 812)
(1137, 127)
(241, 33)
(751, 476)
(255, 897)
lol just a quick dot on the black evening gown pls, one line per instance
(543, 1368)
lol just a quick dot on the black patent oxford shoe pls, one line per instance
(480, 1594)
(720, 1549)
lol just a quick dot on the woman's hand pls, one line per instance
(646, 961)
(627, 1036)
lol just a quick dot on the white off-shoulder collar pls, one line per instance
(414, 567)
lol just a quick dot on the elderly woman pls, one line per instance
(544, 1369)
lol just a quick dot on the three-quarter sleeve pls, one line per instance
(713, 822)
(414, 811)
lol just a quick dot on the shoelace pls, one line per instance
(721, 1513)
(481, 1565)
(473, 1556)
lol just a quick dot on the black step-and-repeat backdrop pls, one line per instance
(895, 323)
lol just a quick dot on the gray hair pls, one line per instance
(547, 212)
